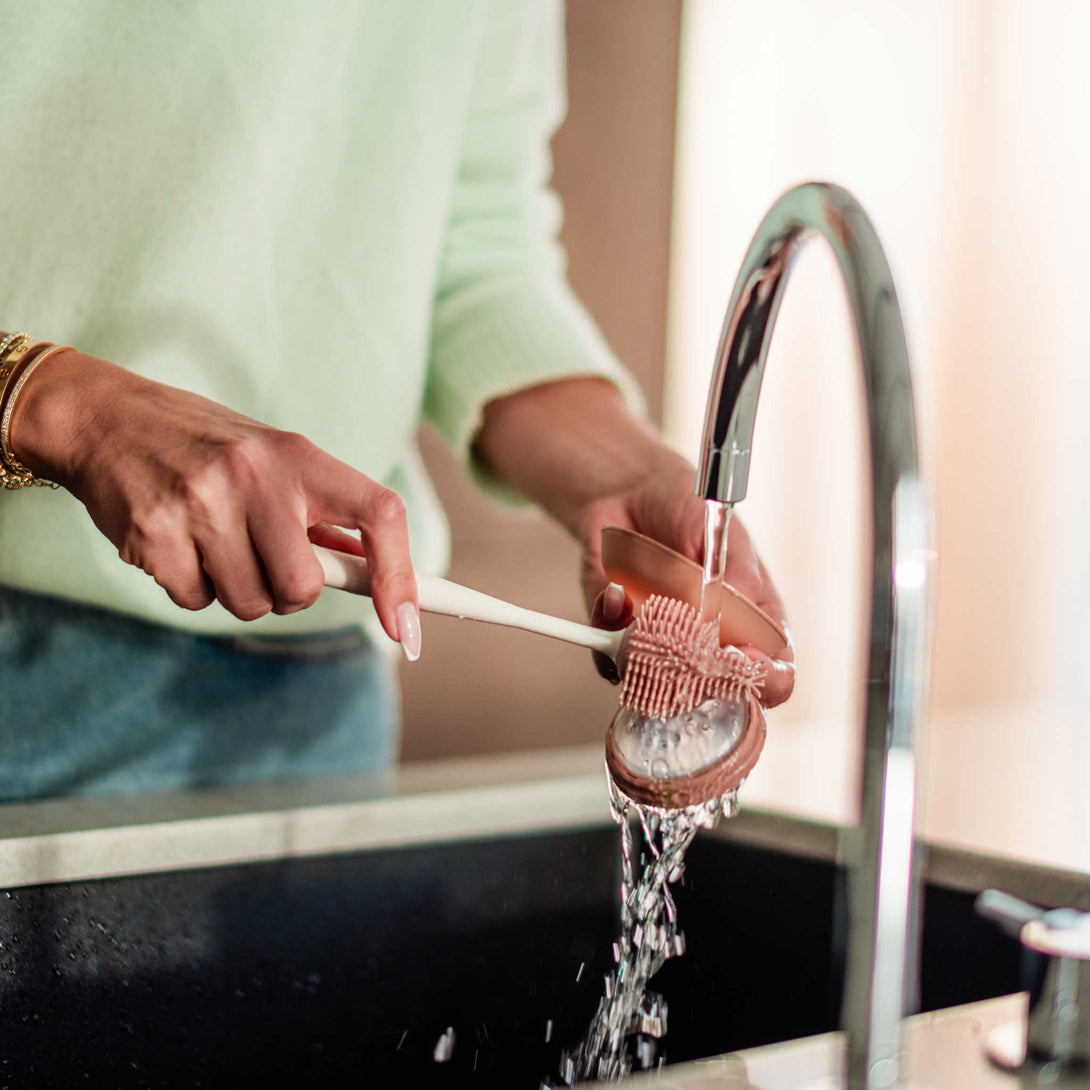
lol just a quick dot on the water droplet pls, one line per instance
(444, 1047)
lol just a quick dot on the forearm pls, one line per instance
(210, 503)
(569, 443)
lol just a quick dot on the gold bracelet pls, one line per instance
(16, 475)
(13, 350)
(8, 341)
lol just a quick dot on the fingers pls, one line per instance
(251, 568)
(746, 573)
(778, 683)
(160, 548)
(777, 674)
(291, 569)
(339, 494)
(743, 570)
(612, 610)
(252, 550)
(332, 537)
(229, 558)
(180, 574)
(769, 598)
(210, 501)
(385, 533)
(593, 576)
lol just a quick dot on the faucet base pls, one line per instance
(1005, 1046)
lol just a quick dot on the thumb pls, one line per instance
(612, 610)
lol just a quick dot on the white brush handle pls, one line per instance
(347, 572)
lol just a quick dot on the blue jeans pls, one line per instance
(95, 703)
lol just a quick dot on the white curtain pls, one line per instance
(963, 127)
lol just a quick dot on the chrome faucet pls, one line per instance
(880, 978)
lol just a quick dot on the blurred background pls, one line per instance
(963, 127)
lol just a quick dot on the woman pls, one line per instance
(327, 226)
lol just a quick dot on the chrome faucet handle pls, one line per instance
(1056, 1035)
(1062, 932)
(1009, 912)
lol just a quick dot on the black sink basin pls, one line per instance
(345, 970)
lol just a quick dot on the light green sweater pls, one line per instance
(331, 217)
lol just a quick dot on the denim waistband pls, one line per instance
(93, 702)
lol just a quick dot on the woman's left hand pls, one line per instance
(665, 507)
(573, 447)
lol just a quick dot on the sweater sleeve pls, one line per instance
(504, 317)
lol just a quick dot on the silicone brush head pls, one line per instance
(690, 726)
(673, 662)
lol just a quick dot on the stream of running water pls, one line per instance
(631, 1020)
(627, 1029)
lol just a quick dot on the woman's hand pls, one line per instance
(665, 507)
(573, 447)
(211, 504)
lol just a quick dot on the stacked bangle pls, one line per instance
(19, 357)
(14, 348)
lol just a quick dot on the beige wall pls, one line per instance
(478, 688)
(968, 151)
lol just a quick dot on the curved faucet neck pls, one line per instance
(879, 983)
(803, 212)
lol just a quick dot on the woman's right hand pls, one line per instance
(211, 504)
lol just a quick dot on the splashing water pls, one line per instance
(630, 1020)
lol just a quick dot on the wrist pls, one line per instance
(572, 444)
(54, 408)
(657, 470)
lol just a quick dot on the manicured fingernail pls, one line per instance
(613, 602)
(408, 630)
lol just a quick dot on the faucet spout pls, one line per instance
(880, 977)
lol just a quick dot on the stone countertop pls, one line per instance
(499, 795)
(1007, 783)
(944, 1050)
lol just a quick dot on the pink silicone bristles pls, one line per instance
(673, 662)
